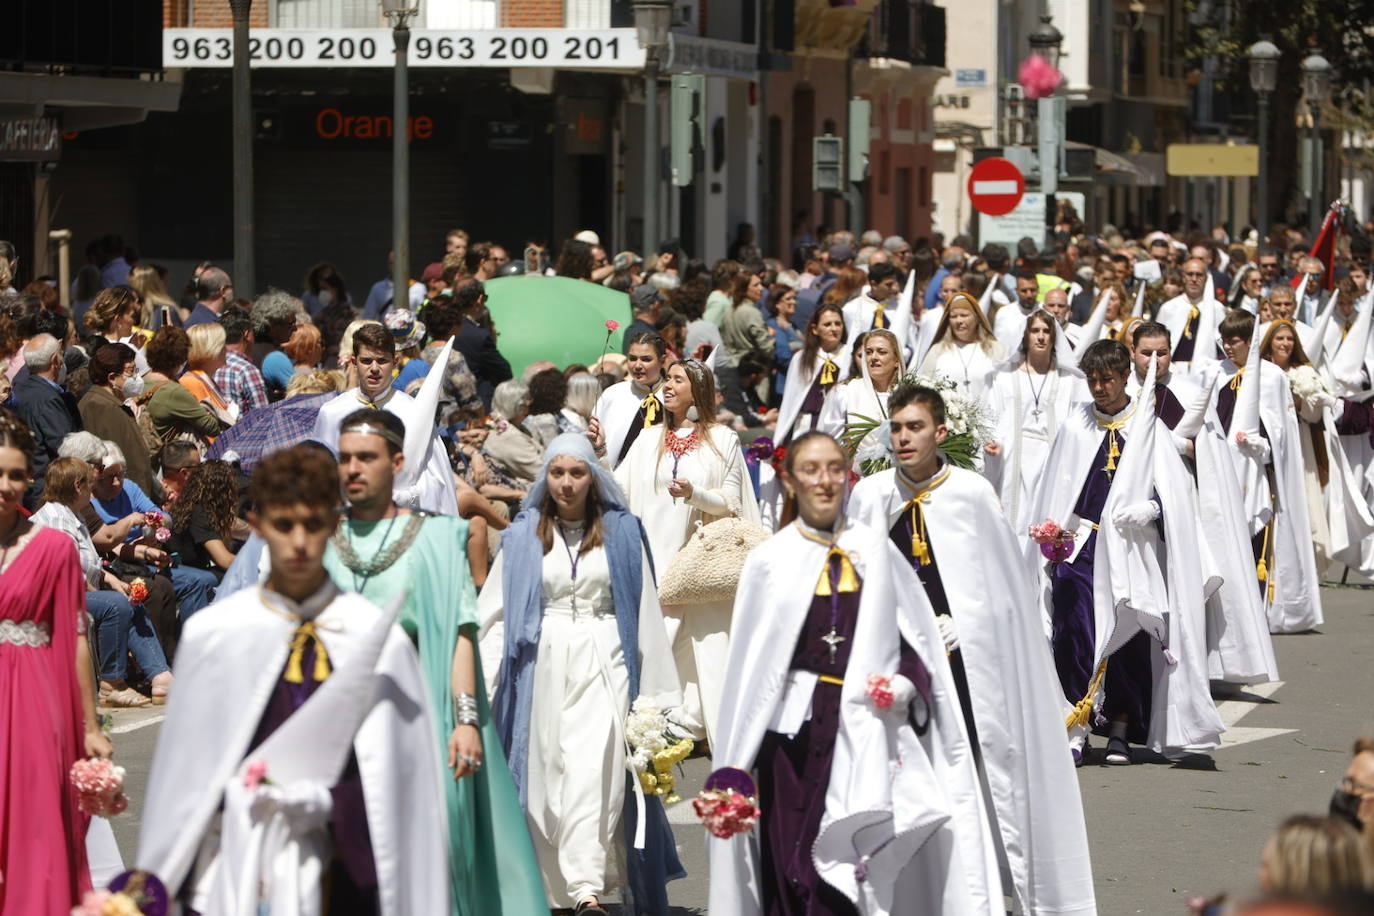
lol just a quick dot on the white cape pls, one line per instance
(1018, 707)
(616, 409)
(921, 826)
(229, 661)
(799, 383)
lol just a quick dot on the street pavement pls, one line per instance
(1160, 832)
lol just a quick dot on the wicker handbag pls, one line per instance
(708, 567)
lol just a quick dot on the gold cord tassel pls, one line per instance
(920, 545)
(1113, 450)
(304, 633)
(829, 372)
(849, 578)
(1238, 379)
(1083, 709)
(879, 318)
(1193, 315)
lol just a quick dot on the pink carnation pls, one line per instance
(879, 692)
(1038, 77)
(726, 813)
(255, 774)
(612, 325)
(1047, 530)
(162, 535)
(100, 787)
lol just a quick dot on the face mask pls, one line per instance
(133, 386)
(1346, 806)
(326, 297)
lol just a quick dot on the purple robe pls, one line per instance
(1128, 685)
(794, 773)
(1187, 340)
(1167, 406)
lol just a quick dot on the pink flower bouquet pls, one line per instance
(100, 786)
(1055, 543)
(880, 690)
(728, 805)
(156, 523)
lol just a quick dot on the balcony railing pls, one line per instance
(906, 30)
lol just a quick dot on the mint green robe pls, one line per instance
(491, 860)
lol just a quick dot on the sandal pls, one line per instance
(127, 698)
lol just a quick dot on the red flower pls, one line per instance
(762, 409)
(612, 325)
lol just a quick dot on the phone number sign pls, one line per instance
(568, 49)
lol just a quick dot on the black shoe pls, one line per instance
(587, 908)
(1118, 752)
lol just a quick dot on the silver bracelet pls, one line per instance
(465, 709)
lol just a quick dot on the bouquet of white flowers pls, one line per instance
(968, 421)
(1307, 383)
(653, 754)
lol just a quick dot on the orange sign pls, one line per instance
(332, 124)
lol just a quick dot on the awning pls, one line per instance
(1139, 169)
(84, 102)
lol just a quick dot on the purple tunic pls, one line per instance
(1183, 350)
(350, 885)
(1167, 406)
(812, 404)
(1073, 631)
(794, 773)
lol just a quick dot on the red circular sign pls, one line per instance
(995, 186)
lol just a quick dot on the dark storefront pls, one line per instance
(484, 156)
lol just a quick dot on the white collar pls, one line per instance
(308, 609)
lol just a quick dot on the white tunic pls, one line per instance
(616, 409)
(967, 364)
(577, 753)
(1029, 408)
(857, 401)
(720, 487)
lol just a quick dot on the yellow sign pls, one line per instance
(1212, 160)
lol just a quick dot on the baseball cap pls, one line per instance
(433, 271)
(588, 236)
(625, 260)
(841, 252)
(643, 296)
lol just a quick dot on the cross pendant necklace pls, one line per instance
(833, 640)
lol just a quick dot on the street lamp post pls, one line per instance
(1264, 77)
(1045, 41)
(399, 13)
(242, 92)
(1316, 80)
(652, 18)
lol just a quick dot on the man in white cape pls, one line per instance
(886, 305)
(427, 480)
(1192, 318)
(912, 836)
(294, 765)
(627, 408)
(1239, 647)
(1130, 590)
(996, 647)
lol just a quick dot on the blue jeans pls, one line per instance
(195, 589)
(121, 628)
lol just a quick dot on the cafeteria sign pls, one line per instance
(31, 139)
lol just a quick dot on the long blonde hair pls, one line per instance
(982, 330)
(148, 284)
(1316, 856)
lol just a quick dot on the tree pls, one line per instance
(1225, 29)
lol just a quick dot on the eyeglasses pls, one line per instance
(1354, 787)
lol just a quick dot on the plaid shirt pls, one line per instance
(241, 381)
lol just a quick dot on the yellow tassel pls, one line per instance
(1262, 570)
(1113, 452)
(1237, 380)
(829, 372)
(1271, 591)
(849, 578)
(651, 408)
(879, 318)
(1083, 709)
(304, 634)
(1188, 326)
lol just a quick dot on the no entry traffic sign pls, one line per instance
(995, 186)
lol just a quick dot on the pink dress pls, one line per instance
(42, 833)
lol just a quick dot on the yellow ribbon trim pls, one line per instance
(1237, 380)
(879, 318)
(920, 542)
(830, 679)
(829, 372)
(849, 577)
(1083, 709)
(651, 408)
(304, 633)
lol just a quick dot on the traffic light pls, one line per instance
(827, 163)
(687, 115)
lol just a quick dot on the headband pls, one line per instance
(364, 428)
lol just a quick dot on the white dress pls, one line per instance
(700, 633)
(577, 761)
(1029, 408)
(966, 364)
(856, 401)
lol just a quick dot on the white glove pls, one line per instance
(1253, 446)
(903, 692)
(1325, 399)
(1136, 515)
(948, 633)
(306, 805)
